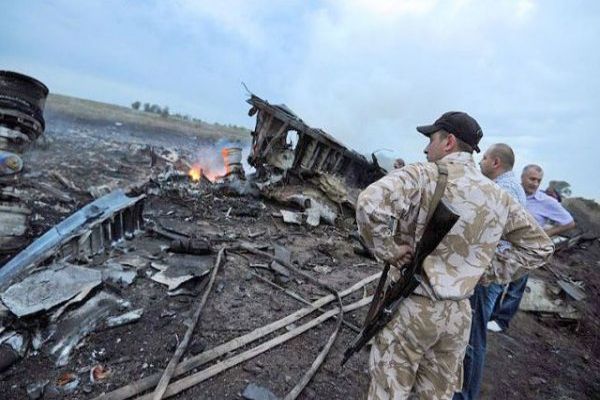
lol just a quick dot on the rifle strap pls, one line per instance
(440, 187)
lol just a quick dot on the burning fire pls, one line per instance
(213, 164)
(195, 172)
(198, 169)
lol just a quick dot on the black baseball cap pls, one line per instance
(458, 123)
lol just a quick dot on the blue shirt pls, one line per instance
(546, 209)
(511, 185)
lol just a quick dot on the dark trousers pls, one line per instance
(475, 353)
(486, 306)
(503, 311)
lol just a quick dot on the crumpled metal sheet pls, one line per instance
(538, 298)
(175, 275)
(79, 323)
(49, 288)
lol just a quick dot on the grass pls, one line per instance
(102, 112)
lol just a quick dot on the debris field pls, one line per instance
(135, 260)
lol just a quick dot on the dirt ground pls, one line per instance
(539, 357)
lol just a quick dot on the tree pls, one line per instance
(147, 107)
(136, 105)
(164, 112)
(563, 188)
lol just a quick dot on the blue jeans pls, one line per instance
(503, 311)
(475, 353)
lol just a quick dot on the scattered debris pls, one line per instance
(196, 361)
(99, 373)
(88, 231)
(126, 318)
(290, 217)
(190, 246)
(68, 382)
(132, 260)
(116, 274)
(280, 269)
(54, 192)
(538, 298)
(183, 220)
(36, 390)
(255, 392)
(175, 275)
(14, 221)
(68, 184)
(573, 289)
(79, 323)
(170, 370)
(322, 269)
(49, 288)
(13, 347)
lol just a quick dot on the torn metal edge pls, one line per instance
(78, 224)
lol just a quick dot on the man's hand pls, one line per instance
(405, 255)
(557, 230)
(398, 163)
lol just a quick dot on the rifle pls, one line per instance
(385, 303)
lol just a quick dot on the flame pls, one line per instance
(195, 172)
(199, 169)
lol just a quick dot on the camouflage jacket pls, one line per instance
(467, 254)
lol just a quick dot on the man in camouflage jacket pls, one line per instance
(421, 350)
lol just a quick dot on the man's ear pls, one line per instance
(451, 143)
(496, 162)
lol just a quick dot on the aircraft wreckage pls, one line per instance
(254, 244)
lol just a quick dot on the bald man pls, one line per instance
(497, 164)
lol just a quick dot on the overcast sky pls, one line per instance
(366, 71)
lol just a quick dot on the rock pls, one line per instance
(172, 344)
(197, 347)
(275, 305)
